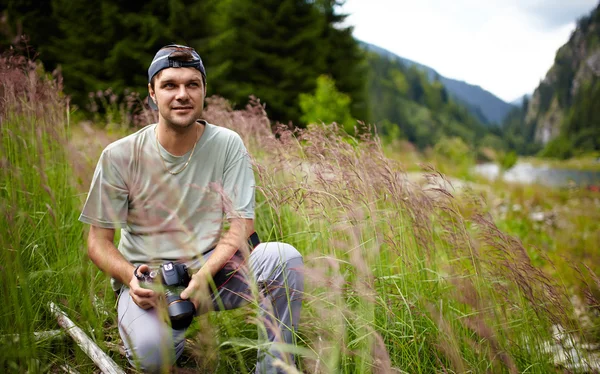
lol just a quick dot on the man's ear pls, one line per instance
(151, 92)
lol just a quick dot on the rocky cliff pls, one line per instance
(576, 65)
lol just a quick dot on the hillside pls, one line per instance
(481, 103)
(405, 103)
(564, 110)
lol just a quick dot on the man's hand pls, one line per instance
(143, 297)
(198, 291)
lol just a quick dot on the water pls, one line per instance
(524, 172)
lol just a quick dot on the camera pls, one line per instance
(175, 278)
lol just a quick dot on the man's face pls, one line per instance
(179, 96)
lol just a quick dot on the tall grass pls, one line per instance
(399, 278)
(42, 244)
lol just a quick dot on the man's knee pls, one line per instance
(276, 261)
(279, 252)
(152, 356)
(148, 340)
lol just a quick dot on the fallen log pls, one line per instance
(101, 359)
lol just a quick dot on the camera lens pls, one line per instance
(175, 278)
(181, 312)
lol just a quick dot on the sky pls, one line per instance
(504, 46)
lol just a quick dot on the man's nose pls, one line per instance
(182, 93)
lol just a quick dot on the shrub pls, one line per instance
(560, 147)
(327, 105)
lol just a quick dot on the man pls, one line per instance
(171, 188)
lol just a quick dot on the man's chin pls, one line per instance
(180, 126)
(183, 123)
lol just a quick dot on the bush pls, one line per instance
(560, 147)
(453, 154)
(327, 105)
(507, 160)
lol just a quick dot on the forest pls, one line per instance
(275, 52)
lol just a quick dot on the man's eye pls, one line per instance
(194, 84)
(168, 85)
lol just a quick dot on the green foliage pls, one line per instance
(583, 121)
(400, 82)
(425, 278)
(546, 94)
(326, 105)
(580, 131)
(389, 132)
(270, 51)
(345, 61)
(518, 134)
(560, 147)
(454, 155)
(507, 160)
(492, 141)
(105, 44)
(565, 73)
(273, 50)
(276, 50)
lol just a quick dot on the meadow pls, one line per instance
(402, 275)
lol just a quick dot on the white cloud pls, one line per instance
(556, 13)
(505, 47)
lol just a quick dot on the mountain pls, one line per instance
(564, 110)
(481, 103)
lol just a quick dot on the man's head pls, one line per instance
(177, 84)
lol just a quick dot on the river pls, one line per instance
(527, 173)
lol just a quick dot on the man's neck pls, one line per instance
(178, 141)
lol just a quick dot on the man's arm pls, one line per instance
(103, 253)
(235, 238)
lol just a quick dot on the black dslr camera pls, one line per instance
(174, 277)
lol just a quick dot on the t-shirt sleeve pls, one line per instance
(238, 181)
(107, 202)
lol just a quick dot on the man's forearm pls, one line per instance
(107, 258)
(234, 239)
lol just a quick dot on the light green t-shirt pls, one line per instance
(164, 216)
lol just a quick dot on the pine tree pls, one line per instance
(102, 44)
(271, 50)
(345, 61)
